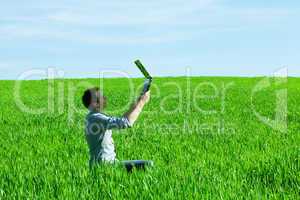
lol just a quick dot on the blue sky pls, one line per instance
(211, 37)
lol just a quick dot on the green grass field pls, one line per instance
(202, 134)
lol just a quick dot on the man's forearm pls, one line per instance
(135, 111)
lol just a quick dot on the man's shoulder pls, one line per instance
(97, 115)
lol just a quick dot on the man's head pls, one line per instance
(93, 99)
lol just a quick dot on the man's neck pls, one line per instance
(95, 110)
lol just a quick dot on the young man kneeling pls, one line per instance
(99, 128)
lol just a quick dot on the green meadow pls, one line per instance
(209, 137)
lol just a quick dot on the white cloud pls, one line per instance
(159, 21)
(11, 32)
(132, 13)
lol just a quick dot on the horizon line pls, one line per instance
(141, 77)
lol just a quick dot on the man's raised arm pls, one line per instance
(137, 108)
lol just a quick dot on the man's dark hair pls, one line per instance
(88, 96)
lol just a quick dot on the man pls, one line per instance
(99, 128)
